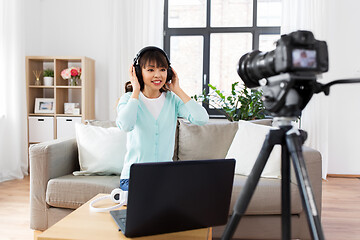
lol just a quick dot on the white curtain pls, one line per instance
(135, 24)
(311, 15)
(13, 142)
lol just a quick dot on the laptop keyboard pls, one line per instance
(123, 220)
(120, 218)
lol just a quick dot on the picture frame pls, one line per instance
(72, 108)
(44, 105)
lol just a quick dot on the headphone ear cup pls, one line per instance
(169, 74)
(116, 195)
(138, 72)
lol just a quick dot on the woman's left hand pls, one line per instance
(174, 84)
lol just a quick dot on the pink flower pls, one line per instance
(65, 74)
(74, 72)
(71, 72)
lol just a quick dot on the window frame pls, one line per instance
(206, 31)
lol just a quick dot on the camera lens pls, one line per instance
(256, 65)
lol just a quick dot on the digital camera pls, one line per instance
(298, 52)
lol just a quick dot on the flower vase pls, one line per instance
(72, 82)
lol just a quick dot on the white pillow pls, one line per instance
(246, 146)
(101, 150)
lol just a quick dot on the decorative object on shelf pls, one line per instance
(44, 105)
(76, 111)
(48, 77)
(241, 104)
(72, 108)
(37, 76)
(72, 74)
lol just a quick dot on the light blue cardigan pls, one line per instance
(150, 139)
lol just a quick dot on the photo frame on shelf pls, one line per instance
(44, 105)
(72, 108)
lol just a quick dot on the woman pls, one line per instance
(149, 111)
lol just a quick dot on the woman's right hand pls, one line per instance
(134, 80)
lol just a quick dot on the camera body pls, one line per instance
(298, 52)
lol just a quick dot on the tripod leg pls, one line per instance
(294, 143)
(247, 192)
(285, 193)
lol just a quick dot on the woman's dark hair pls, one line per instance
(151, 56)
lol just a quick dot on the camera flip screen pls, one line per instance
(304, 58)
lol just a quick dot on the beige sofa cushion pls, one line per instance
(267, 197)
(71, 191)
(210, 141)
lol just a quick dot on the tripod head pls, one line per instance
(287, 94)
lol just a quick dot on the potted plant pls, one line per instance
(48, 77)
(241, 104)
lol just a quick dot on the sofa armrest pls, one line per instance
(313, 162)
(48, 160)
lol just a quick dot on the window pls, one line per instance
(206, 38)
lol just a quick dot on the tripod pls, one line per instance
(286, 95)
(291, 141)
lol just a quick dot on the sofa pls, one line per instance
(55, 191)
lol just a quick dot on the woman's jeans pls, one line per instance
(124, 184)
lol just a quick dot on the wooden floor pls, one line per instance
(340, 209)
(15, 210)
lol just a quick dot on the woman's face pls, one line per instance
(154, 77)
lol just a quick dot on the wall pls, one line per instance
(344, 100)
(83, 28)
(73, 28)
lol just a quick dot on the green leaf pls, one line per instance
(241, 104)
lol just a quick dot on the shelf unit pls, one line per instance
(61, 92)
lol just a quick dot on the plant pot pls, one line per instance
(48, 81)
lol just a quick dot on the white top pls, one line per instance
(154, 105)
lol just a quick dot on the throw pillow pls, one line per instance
(101, 150)
(246, 146)
(210, 141)
(101, 123)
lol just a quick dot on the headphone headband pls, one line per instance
(150, 48)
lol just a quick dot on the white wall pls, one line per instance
(83, 28)
(344, 100)
(74, 28)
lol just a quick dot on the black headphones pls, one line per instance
(138, 68)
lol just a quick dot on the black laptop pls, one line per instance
(176, 196)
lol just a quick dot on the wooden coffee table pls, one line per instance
(87, 225)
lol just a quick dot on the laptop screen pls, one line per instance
(177, 196)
